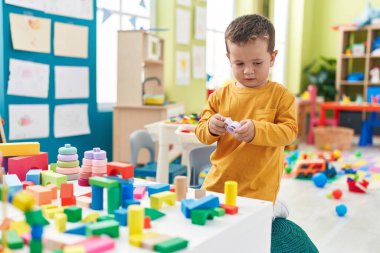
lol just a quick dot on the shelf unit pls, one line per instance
(347, 64)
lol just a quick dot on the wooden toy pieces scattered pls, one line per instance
(231, 125)
(68, 163)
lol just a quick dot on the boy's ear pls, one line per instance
(273, 57)
(228, 55)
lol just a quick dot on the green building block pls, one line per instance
(171, 245)
(153, 213)
(103, 182)
(108, 227)
(35, 246)
(104, 218)
(50, 177)
(219, 212)
(200, 216)
(14, 240)
(74, 213)
(113, 199)
(35, 218)
(53, 167)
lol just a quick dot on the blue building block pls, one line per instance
(13, 183)
(36, 232)
(121, 216)
(34, 176)
(97, 197)
(126, 193)
(129, 202)
(81, 230)
(207, 202)
(156, 188)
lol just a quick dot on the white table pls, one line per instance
(167, 134)
(247, 231)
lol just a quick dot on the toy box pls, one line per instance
(333, 137)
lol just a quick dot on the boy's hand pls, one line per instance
(216, 125)
(246, 131)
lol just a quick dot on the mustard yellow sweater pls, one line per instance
(256, 166)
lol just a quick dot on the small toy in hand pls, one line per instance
(231, 125)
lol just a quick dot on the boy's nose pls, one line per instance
(249, 70)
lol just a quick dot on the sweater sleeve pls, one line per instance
(284, 129)
(202, 132)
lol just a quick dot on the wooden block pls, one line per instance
(153, 213)
(230, 209)
(200, 216)
(136, 216)
(103, 182)
(92, 217)
(40, 193)
(53, 190)
(68, 201)
(108, 227)
(67, 190)
(84, 201)
(60, 220)
(149, 242)
(230, 192)
(199, 193)
(171, 245)
(180, 184)
(20, 148)
(50, 177)
(139, 192)
(21, 227)
(147, 222)
(156, 200)
(34, 175)
(51, 212)
(74, 214)
(74, 249)
(23, 200)
(26, 184)
(13, 183)
(136, 240)
(98, 244)
(125, 169)
(14, 241)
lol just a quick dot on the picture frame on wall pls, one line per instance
(2, 133)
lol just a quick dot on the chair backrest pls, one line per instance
(312, 89)
(199, 159)
(141, 139)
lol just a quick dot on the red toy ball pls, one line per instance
(337, 194)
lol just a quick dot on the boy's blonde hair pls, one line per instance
(250, 27)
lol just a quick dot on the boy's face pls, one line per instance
(251, 62)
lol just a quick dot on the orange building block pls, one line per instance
(53, 190)
(41, 194)
(147, 222)
(125, 169)
(230, 209)
(20, 165)
(26, 184)
(67, 191)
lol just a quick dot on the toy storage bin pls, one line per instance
(333, 137)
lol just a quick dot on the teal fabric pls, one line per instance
(288, 237)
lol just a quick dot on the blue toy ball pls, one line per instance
(341, 210)
(319, 179)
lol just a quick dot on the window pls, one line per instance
(217, 64)
(114, 15)
(280, 17)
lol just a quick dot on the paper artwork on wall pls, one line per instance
(154, 48)
(30, 33)
(183, 26)
(71, 82)
(199, 62)
(82, 9)
(28, 121)
(200, 23)
(184, 2)
(183, 68)
(70, 40)
(71, 120)
(30, 4)
(29, 79)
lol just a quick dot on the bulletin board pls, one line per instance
(48, 110)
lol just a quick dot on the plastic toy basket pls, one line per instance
(333, 137)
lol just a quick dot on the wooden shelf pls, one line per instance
(152, 62)
(344, 56)
(346, 82)
(374, 84)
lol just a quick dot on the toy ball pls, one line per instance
(336, 153)
(319, 179)
(358, 154)
(288, 169)
(337, 194)
(341, 210)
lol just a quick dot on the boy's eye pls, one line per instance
(257, 63)
(240, 64)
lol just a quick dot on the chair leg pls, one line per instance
(310, 135)
(365, 135)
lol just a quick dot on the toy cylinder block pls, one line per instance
(180, 183)
(126, 192)
(136, 216)
(60, 220)
(230, 191)
(97, 197)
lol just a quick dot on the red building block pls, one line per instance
(20, 165)
(230, 209)
(147, 222)
(67, 191)
(125, 169)
(68, 201)
(26, 184)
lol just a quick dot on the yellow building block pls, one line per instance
(51, 212)
(60, 220)
(20, 148)
(136, 240)
(157, 199)
(92, 217)
(230, 192)
(21, 227)
(23, 200)
(74, 249)
(136, 215)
